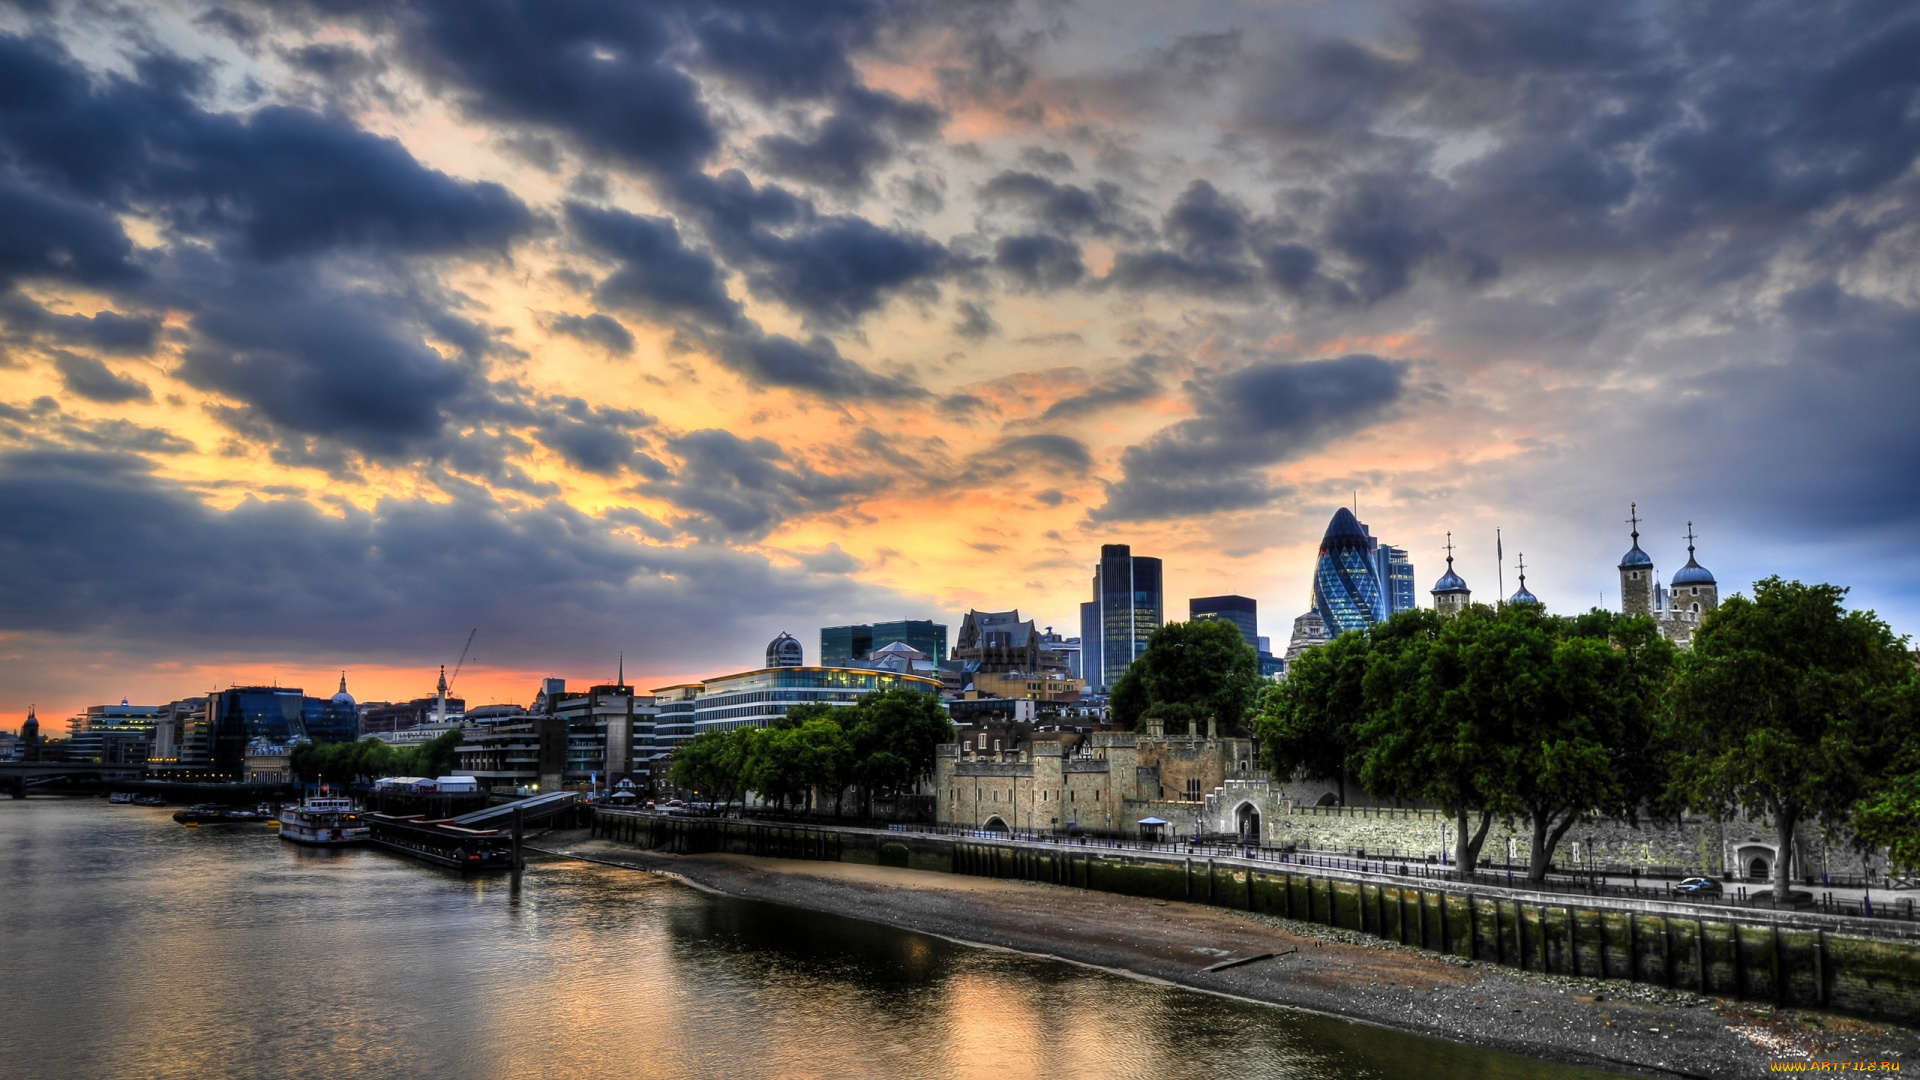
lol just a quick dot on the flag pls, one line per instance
(1497, 552)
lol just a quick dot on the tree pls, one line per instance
(1423, 735)
(893, 734)
(1888, 816)
(826, 757)
(1191, 671)
(1577, 699)
(1308, 723)
(1779, 707)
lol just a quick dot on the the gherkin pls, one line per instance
(1346, 590)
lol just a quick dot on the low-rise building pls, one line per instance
(1093, 780)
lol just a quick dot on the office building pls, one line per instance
(1126, 609)
(841, 645)
(1241, 611)
(610, 734)
(1394, 568)
(1346, 589)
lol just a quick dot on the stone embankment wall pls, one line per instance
(1700, 845)
(1787, 963)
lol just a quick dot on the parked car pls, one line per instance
(1698, 886)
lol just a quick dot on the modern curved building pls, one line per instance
(1346, 586)
(784, 651)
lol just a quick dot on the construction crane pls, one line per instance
(463, 659)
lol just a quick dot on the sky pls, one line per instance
(333, 330)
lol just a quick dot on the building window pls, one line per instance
(1193, 790)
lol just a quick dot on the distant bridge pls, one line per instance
(17, 776)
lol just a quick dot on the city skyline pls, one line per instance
(327, 336)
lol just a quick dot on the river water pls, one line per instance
(133, 947)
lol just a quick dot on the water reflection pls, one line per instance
(135, 947)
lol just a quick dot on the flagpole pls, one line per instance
(1500, 556)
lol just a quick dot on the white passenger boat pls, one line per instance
(323, 822)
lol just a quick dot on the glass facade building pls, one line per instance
(841, 645)
(1128, 608)
(1346, 589)
(755, 698)
(1394, 569)
(1241, 611)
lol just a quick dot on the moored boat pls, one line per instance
(149, 800)
(323, 822)
(121, 797)
(201, 814)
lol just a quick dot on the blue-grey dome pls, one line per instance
(1522, 596)
(1693, 574)
(1450, 582)
(1635, 558)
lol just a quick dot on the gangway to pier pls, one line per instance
(499, 817)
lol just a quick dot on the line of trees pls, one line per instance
(882, 745)
(1787, 706)
(369, 759)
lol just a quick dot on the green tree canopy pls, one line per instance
(1780, 708)
(1888, 816)
(1189, 672)
(1309, 723)
(1423, 735)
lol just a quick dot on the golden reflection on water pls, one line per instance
(133, 947)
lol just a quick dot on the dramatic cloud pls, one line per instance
(1245, 420)
(291, 581)
(489, 307)
(93, 380)
(731, 487)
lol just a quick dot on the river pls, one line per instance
(133, 947)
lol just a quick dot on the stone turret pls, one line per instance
(1695, 592)
(1450, 594)
(1636, 574)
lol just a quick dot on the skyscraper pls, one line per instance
(1394, 569)
(1127, 608)
(1346, 589)
(1241, 611)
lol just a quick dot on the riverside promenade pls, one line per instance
(1865, 967)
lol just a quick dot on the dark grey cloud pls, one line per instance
(49, 238)
(862, 134)
(975, 322)
(659, 274)
(93, 380)
(104, 331)
(742, 489)
(814, 365)
(1039, 262)
(1246, 420)
(349, 364)
(1063, 209)
(281, 182)
(601, 440)
(602, 330)
(392, 584)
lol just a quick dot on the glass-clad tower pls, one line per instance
(1346, 588)
(1126, 590)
